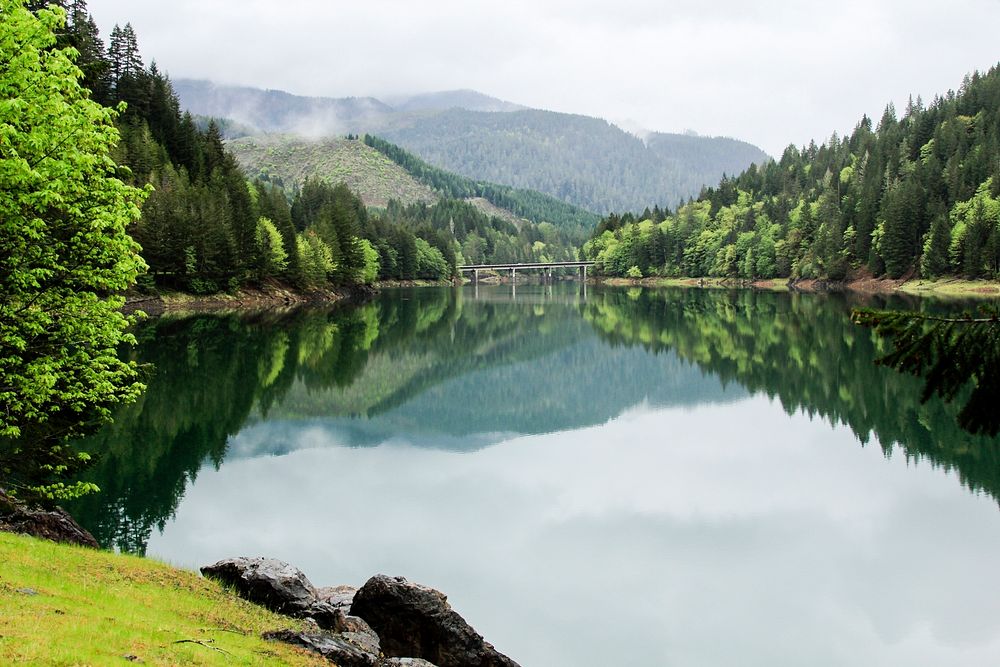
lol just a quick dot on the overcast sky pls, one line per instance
(771, 72)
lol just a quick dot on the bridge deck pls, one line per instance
(527, 265)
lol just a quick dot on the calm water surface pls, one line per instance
(625, 477)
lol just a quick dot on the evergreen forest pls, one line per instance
(913, 194)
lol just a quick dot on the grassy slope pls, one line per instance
(95, 607)
(374, 177)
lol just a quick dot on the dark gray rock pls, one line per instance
(270, 583)
(338, 596)
(366, 641)
(339, 649)
(405, 662)
(416, 621)
(48, 524)
(324, 614)
(345, 623)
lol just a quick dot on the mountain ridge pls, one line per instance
(379, 172)
(585, 161)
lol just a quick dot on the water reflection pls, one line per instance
(429, 367)
(631, 477)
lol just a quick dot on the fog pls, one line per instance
(772, 73)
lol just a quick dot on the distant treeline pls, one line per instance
(913, 195)
(587, 162)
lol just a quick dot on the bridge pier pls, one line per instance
(513, 276)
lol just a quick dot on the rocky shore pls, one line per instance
(54, 524)
(389, 621)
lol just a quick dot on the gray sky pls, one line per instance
(771, 72)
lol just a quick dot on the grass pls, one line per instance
(62, 605)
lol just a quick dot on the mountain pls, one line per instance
(452, 99)
(378, 171)
(277, 111)
(587, 162)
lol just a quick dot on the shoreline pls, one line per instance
(943, 288)
(262, 297)
(271, 295)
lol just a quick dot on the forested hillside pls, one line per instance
(379, 172)
(529, 204)
(913, 193)
(206, 227)
(584, 161)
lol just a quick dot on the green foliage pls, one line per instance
(370, 269)
(430, 262)
(272, 258)
(63, 254)
(914, 193)
(315, 260)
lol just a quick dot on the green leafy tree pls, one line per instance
(315, 260)
(369, 272)
(272, 259)
(64, 254)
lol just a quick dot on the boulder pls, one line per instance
(338, 596)
(405, 662)
(345, 623)
(270, 583)
(416, 621)
(325, 615)
(338, 649)
(55, 524)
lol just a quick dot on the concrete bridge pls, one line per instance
(474, 269)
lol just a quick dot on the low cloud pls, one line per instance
(773, 73)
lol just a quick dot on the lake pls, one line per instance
(624, 476)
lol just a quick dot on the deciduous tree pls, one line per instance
(64, 255)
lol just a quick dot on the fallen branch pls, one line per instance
(205, 644)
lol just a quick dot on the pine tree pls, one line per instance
(934, 261)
